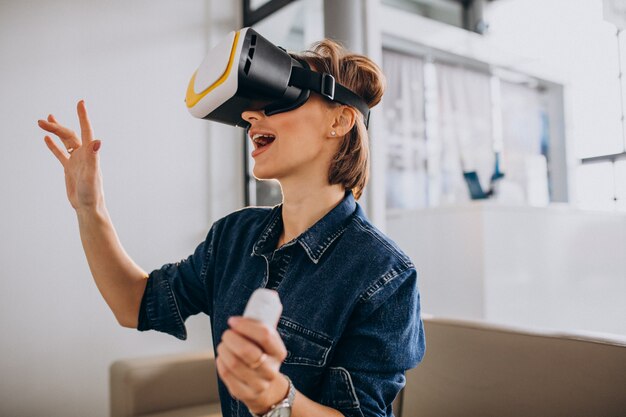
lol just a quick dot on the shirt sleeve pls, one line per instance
(176, 291)
(384, 338)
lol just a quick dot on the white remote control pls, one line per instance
(264, 305)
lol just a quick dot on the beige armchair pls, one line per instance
(470, 369)
(478, 369)
(180, 385)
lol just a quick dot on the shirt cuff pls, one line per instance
(158, 310)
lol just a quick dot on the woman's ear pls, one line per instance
(343, 122)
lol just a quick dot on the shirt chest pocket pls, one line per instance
(304, 346)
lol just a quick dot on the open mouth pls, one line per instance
(261, 140)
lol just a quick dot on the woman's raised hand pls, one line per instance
(80, 159)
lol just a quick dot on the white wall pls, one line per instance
(131, 62)
(573, 40)
(555, 268)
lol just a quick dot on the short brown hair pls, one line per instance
(350, 166)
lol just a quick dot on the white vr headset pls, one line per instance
(245, 71)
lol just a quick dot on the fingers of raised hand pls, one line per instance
(86, 132)
(67, 136)
(60, 154)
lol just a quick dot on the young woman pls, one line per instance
(351, 323)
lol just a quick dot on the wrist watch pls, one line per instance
(283, 408)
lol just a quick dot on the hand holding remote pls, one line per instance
(251, 352)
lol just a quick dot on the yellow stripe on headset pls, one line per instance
(192, 98)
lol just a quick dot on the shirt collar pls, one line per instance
(317, 238)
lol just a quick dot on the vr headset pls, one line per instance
(245, 71)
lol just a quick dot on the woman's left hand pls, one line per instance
(248, 362)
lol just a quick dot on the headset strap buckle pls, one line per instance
(327, 87)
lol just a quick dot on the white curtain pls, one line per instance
(525, 142)
(403, 105)
(465, 133)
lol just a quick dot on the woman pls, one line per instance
(351, 323)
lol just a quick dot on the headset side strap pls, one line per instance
(325, 84)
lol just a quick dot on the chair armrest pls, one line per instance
(161, 383)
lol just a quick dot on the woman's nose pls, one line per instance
(252, 115)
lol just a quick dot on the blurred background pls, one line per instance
(498, 164)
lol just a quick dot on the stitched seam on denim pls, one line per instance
(150, 303)
(299, 360)
(173, 303)
(234, 407)
(266, 278)
(308, 252)
(295, 326)
(329, 240)
(316, 253)
(399, 256)
(302, 361)
(381, 282)
(291, 243)
(347, 379)
(205, 263)
(265, 234)
(285, 261)
(284, 265)
(209, 252)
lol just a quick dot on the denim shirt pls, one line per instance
(351, 308)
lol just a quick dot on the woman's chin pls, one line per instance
(263, 174)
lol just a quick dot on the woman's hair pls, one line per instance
(350, 166)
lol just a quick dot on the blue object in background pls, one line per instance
(473, 183)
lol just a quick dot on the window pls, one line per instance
(452, 125)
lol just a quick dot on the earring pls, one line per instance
(333, 133)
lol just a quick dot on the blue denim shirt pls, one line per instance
(351, 309)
